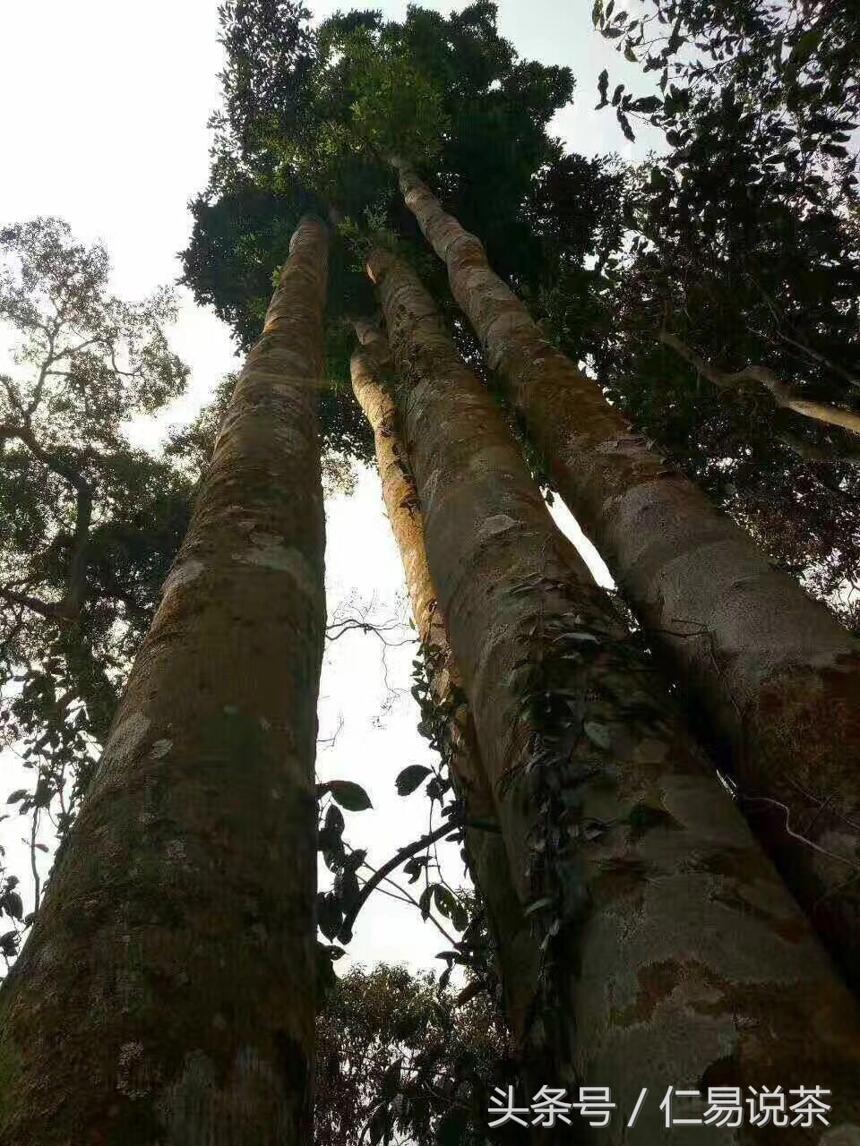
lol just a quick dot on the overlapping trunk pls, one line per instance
(166, 994)
(675, 955)
(774, 676)
(515, 947)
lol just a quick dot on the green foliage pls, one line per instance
(344, 896)
(409, 779)
(347, 794)
(380, 99)
(266, 83)
(399, 1060)
(190, 447)
(743, 242)
(236, 243)
(448, 93)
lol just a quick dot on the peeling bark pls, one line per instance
(675, 955)
(774, 676)
(166, 994)
(516, 950)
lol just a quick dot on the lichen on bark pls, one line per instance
(516, 950)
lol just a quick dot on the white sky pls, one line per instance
(104, 123)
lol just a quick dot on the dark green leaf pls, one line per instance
(409, 779)
(390, 1082)
(12, 904)
(603, 87)
(349, 795)
(425, 900)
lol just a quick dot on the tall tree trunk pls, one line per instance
(775, 676)
(166, 993)
(674, 953)
(517, 953)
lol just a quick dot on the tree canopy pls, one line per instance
(713, 288)
(313, 126)
(402, 1060)
(734, 312)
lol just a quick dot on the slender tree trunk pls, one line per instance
(674, 954)
(166, 994)
(97, 692)
(773, 674)
(516, 949)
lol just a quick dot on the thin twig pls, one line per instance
(389, 866)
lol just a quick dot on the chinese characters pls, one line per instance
(801, 1107)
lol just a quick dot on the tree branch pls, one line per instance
(381, 873)
(812, 453)
(850, 378)
(73, 598)
(45, 608)
(782, 394)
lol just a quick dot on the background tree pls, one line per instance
(402, 1061)
(734, 311)
(90, 522)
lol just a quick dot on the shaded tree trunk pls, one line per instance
(166, 993)
(671, 943)
(516, 949)
(774, 675)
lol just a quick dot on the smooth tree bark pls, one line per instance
(771, 675)
(516, 950)
(674, 955)
(166, 994)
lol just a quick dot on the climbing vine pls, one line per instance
(570, 715)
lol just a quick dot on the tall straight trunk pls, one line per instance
(166, 994)
(516, 950)
(773, 674)
(674, 953)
